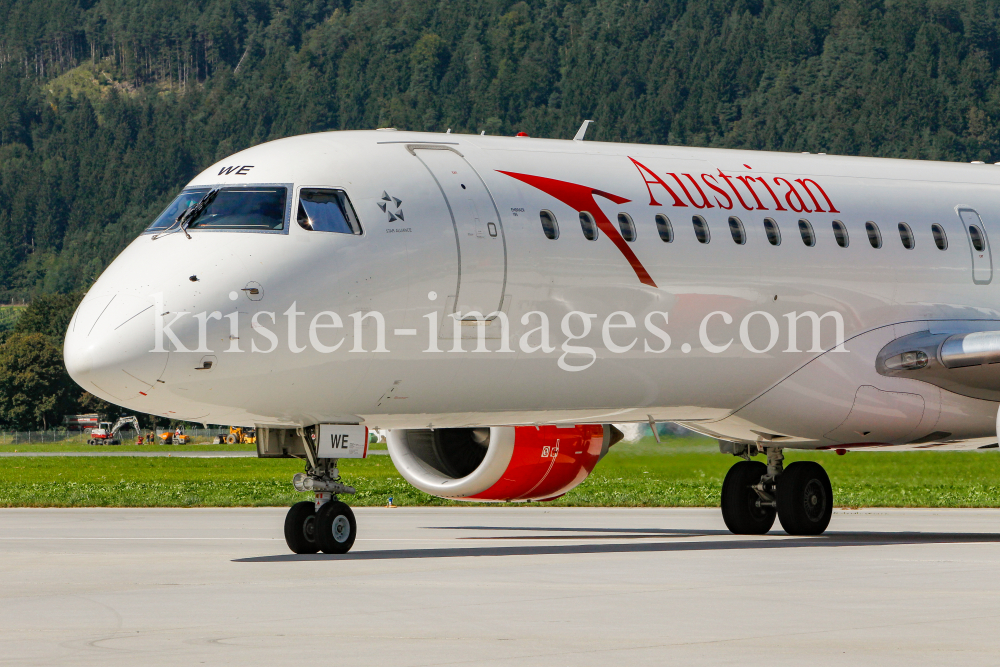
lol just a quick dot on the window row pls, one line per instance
(665, 230)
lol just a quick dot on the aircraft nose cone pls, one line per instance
(108, 349)
(78, 360)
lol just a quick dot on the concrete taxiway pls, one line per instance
(497, 586)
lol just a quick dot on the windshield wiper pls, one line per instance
(189, 215)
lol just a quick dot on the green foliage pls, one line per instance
(93, 81)
(8, 318)
(34, 387)
(108, 108)
(49, 314)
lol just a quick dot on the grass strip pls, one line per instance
(680, 473)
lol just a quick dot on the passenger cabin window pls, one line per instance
(736, 229)
(840, 233)
(874, 236)
(664, 229)
(808, 235)
(550, 227)
(976, 234)
(588, 225)
(258, 209)
(906, 236)
(327, 211)
(772, 231)
(940, 237)
(627, 227)
(701, 229)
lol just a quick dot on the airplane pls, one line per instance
(498, 303)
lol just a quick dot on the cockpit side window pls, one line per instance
(327, 211)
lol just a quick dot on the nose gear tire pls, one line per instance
(300, 528)
(740, 510)
(805, 499)
(336, 528)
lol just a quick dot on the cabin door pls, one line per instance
(482, 256)
(979, 245)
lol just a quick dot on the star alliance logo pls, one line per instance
(387, 202)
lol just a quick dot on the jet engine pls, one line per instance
(500, 463)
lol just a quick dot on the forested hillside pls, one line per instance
(107, 107)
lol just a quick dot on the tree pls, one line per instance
(48, 314)
(35, 389)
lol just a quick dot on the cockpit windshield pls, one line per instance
(253, 208)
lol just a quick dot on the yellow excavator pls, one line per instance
(237, 435)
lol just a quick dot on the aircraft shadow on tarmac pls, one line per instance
(774, 540)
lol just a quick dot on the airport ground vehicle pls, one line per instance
(495, 302)
(85, 422)
(236, 435)
(106, 433)
(174, 438)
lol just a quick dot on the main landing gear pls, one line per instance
(753, 493)
(325, 524)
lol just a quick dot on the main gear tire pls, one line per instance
(805, 499)
(740, 503)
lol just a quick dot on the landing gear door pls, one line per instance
(279, 443)
(979, 244)
(482, 251)
(339, 441)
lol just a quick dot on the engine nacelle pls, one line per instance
(500, 463)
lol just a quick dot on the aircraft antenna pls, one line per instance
(582, 131)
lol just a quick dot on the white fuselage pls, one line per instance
(457, 218)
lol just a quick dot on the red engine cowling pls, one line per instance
(499, 463)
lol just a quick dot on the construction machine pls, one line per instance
(174, 438)
(237, 435)
(107, 434)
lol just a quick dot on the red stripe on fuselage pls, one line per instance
(581, 198)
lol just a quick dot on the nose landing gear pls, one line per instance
(327, 524)
(336, 528)
(300, 528)
(753, 493)
(331, 529)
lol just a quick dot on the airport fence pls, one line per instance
(14, 298)
(81, 437)
(40, 437)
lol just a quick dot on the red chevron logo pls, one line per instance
(581, 198)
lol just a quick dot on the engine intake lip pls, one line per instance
(408, 450)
